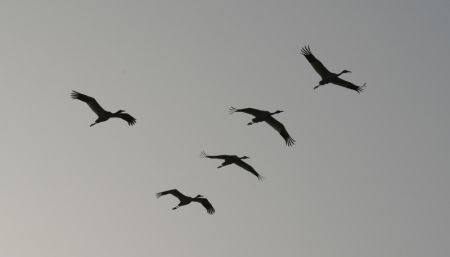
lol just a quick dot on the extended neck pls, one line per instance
(273, 113)
(342, 72)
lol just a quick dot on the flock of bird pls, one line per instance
(259, 116)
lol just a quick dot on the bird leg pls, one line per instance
(317, 86)
(176, 207)
(93, 124)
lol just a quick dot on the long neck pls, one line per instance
(339, 74)
(273, 113)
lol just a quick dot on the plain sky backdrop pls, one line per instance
(368, 176)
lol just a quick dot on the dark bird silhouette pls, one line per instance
(185, 200)
(267, 117)
(101, 113)
(327, 76)
(233, 159)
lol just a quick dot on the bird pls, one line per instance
(327, 76)
(101, 113)
(185, 200)
(266, 116)
(233, 159)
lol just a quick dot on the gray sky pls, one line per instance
(368, 176)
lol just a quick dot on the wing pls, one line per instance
(204, 155)
(317, 65)
(208, 206)
(343, 83)
(126, 117)
(278, 126)
(93, 104)
(248, 168)
(173, 192)
(251, 111)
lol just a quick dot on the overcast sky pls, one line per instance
(367, 177)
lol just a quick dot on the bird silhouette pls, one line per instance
(233, 159)
(266, 116)
(326, 75)
(185, 200)
(101, 113)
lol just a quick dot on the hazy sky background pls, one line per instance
(368, 176)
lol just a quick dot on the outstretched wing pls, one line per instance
(343, 83)
(204, 155)
(248, 168)
(126, 117)
(208, 206)
(317, 65)
(278, 126)
(251, 111)
(93, 104)
(173, 192)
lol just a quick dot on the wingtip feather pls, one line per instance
(306, 50)
(361, 88)
(290, 141)
(232, 110)
(74, 94)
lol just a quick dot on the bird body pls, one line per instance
(233, 159)
(101, 113)
(326, 75)
(331, 77)
(267, 117)
(185, 200)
